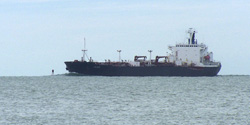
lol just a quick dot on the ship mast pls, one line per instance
(84, 51)
(119, 51)
(150, 51)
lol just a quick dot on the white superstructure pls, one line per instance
(191, 53)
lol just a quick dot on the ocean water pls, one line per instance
(91, 100)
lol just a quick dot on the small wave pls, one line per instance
(73, 74)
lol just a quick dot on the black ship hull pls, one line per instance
(92, 68)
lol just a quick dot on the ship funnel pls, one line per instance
(191, 40)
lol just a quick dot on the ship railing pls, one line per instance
(211, 63)
(190, 45)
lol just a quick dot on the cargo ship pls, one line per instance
(185, 59)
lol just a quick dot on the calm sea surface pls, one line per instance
(64, 99)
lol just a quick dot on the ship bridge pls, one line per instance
(190, 53)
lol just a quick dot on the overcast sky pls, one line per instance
(39, 35)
